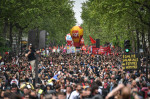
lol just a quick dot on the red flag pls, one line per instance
(30, 67)
(92, 40)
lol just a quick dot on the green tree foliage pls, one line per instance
(117, 20)
(17, 17)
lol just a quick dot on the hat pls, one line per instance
(28, 86)
(13, 85)
(30, 44)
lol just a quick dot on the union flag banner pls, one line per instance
(101, 50)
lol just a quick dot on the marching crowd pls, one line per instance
(72, 76)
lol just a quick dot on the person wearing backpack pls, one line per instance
(27, 84)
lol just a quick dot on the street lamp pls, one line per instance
(46, 39)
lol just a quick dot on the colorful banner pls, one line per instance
(71, 49)
(101, 50)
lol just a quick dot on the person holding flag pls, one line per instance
(50, 81)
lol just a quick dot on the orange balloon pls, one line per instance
(76, 33)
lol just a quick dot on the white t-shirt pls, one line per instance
(100, 89)
(14, 81)
(67, 96)
(74, 95)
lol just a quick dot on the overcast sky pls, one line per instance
(77, 9)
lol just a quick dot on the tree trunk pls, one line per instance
(19, 41)
(143, 43)
(133, 44)
(5, 28)
(132, 38)
(148, 40)
(37, 38)
(138, 41)
(10, 35)
(117, 42)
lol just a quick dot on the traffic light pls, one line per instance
(127, 46)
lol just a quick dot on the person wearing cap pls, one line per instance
(30, 54)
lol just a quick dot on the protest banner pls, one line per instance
(130, 61)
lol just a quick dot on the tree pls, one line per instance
(18, 17)
(118, 20)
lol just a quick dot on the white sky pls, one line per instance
(77, 9)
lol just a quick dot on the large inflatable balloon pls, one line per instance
(69, 39)
(76, 33)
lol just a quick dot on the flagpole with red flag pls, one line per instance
(92, 40)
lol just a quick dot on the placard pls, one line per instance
(71, 50)
(130, 61)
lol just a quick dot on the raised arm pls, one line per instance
(27, 53)
(112, 93)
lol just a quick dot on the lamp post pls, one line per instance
(36, 70)
(147, 67)
(46, 43)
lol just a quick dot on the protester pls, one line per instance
(30, 53)
(72, 76)
(27, 84)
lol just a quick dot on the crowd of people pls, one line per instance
(72, 76)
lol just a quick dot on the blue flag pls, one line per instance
(55, 77)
